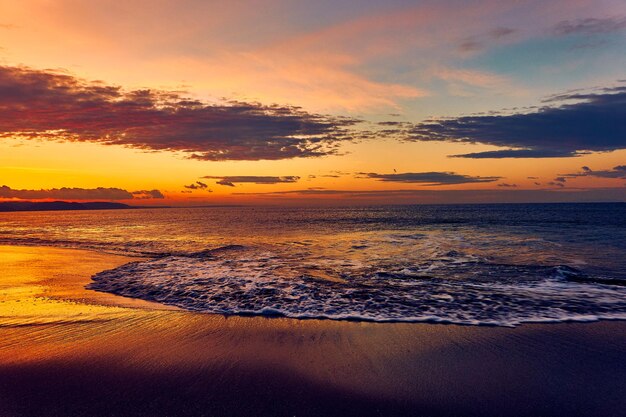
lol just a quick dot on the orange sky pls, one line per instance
(392, 62)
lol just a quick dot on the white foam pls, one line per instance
(263, 283)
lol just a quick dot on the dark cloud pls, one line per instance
(590, 26)
(505, 185)
(230, 181)
(391, 123)
(427, 178)
(198, 185)
(518, 153)
(335, 174)
(332, 174)
(65, 193)
(618, 172)
(50, 105)
(594, 122)
(556, 184)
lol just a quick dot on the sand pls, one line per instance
(68, 351)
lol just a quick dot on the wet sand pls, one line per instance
(68, 351)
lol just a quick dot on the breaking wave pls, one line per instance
(447, 287)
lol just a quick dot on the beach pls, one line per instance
(312, 208)
(68, 351)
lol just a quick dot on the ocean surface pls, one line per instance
(466, 264)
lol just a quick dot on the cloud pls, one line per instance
(505, 185)
(556, 184)
(43, 104)
(230, 181)
(618, 172)
(586, 122)
(519, 153)
(479, 42)
(470, 45)
(147, 194)
(589, 26)
(501, 32)
(66, 193)
(427, 178)
(471, 78)
(198, 185)
(331, 174)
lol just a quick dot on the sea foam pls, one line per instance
(450, 287)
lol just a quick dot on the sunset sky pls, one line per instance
(289, 102)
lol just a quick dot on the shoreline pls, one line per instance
(66, 350)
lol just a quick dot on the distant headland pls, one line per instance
(60, 205)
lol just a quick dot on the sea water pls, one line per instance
(464, 264)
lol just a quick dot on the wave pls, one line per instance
(449, 287)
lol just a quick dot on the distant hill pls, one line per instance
(60, 205)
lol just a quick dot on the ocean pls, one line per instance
(497, 265)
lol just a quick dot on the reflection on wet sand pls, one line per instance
(70, 351)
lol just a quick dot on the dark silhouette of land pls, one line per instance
(60, 205)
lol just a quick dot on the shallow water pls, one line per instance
(466, 264)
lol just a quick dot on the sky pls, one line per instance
(297, 102)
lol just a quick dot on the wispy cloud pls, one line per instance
(49, 105)
(230, 181)
(589, 26)
(483, 40)
(331, 174)
(67, 193)
(427, 178)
